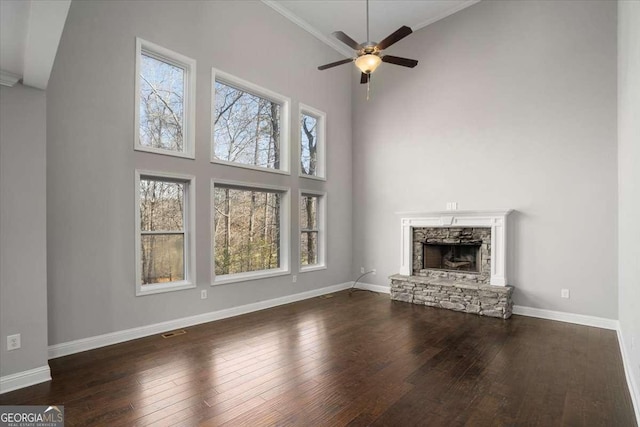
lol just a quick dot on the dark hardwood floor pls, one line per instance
(348, 360)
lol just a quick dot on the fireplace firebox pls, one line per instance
(452, 257)
(458, 253)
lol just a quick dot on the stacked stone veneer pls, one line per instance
(453, 235)
(469, 297)
(464, 291)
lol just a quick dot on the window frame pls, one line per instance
(189, 66)
(189, 250)
(322, 231)
(285, 228)
(321, 126)
(254, 89)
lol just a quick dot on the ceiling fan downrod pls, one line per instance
(368, 38)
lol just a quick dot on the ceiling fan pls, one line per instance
(369, 54)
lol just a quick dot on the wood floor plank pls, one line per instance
(354, 359)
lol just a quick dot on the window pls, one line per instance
(250, 125)
(312, 143)
(250, 229)
(165, 101)
(165, 247)
(312, 230)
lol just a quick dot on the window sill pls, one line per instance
(316, 178)
(255, 168)
(163, 287)
(183, 155)
(310, 268)
(243, 277)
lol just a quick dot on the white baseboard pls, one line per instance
(24, 379)
(579, 319)
(375, 288)
(76, 346)
(634, 390)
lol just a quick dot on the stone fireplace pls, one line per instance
(455, 260)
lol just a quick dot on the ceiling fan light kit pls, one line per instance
(368, 54)
(368, 63)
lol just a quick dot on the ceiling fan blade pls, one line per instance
(395, 37)
(364, 78)
(405, 62)
(335, 64)
(347, 40)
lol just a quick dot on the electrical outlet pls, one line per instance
(203, 294)
(361, 270)
(452, 206)
(373, 271)
(564, 293)
(294, 279)
(13, 342)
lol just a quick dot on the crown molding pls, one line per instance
(9, 79)
(443, 15)
(308, 27)
(275, 5)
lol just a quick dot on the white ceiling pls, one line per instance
(323, 17)
(30, 32)
(14, 17)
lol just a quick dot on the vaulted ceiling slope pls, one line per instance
(321, 18)
(30, 32)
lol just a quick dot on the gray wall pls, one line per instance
(91, 161)
(23, 258)
(629, 182)
(513, 105)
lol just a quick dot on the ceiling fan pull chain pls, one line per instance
(368, 83)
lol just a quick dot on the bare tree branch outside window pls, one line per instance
(309, 230)
(162, 231)
(162, 91)
(246, 128)
(308, 144)
(247, 230)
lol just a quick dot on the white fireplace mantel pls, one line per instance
(497, 220)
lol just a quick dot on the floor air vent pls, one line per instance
(174, 333)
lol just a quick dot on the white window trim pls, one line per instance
(285, 120)
(189, 65)
(285, 221)
(321, 143)
(189, 234)
(322, 231)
